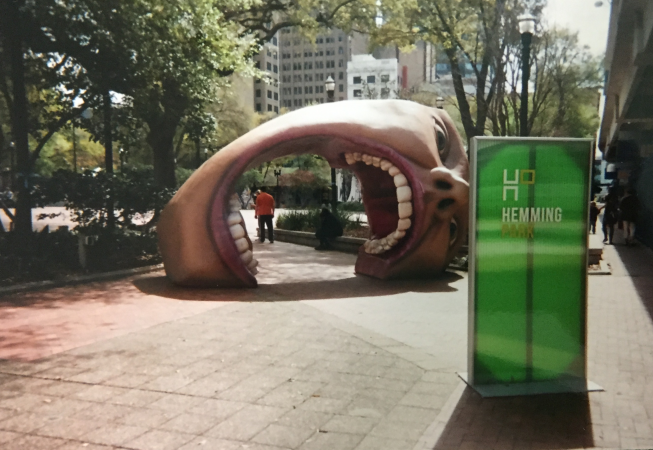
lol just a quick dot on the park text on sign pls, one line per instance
(528, 260)
(520, 222)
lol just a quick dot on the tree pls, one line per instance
(469, 31)
(563, 100)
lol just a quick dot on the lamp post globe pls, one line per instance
(526, 29)
(330, 87)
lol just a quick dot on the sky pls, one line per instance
(590, 21)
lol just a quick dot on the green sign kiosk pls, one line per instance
(529, 201)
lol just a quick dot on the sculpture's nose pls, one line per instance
(451, 193)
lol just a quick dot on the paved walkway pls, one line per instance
(315, 358)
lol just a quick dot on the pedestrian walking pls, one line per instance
(610, 216)
(628, 208)
(329, 229)
(594, 215)
(264, 211)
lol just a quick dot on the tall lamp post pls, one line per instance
(526, 29)
(330, 86)
(277, 173)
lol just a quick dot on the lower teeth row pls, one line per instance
(237, 230)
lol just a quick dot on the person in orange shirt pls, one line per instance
(265, 212)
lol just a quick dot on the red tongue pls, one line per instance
(382, 215)
(379, 198)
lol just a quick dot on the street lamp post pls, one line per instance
(330, 86)
(277, 173)
(526, 29)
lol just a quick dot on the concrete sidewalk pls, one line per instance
(315, 358)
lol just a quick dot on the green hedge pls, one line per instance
(308, 220)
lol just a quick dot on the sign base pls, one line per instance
(534, 388)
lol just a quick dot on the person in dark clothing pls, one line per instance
(328, 229)
(594, 215)
(610, 216)
(629, 208)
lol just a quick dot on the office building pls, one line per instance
(266, 95)
(371, 78)
(305, 66)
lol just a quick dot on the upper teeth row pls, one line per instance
(237, 230)
(404, 197)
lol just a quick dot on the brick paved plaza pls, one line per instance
(316, 358)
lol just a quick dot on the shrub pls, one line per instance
(352, 206)
(308, 220)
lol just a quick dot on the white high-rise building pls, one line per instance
(371, 78)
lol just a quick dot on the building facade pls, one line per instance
(266, 95)
(626, 133)
(371, 78)
(305, 66)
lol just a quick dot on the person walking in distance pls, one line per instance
(629, 207)
(594, 215)
(610, 216)
(265, 212)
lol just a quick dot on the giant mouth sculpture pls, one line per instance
(411, 165)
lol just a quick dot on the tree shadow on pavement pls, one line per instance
(552, 421)
(355, 286)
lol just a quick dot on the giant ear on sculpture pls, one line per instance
(408, 157)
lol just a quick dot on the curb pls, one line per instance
(79, 279)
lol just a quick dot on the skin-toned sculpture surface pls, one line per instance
(408, 157)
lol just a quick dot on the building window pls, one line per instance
(341, 63)
(296, 78)
(330, 40)
(285, 66)
(341, 51)
(308, 89)
(296, 42)
(341, 88)
(320, 53)
(296, 66)
(308, 65)
(285, 43)
(297, 54)
(276, 109)
(330, 52)
(274, 41)
(297, 90)
(258, 64)
(357, 80)
(385, 78)
(258, 92)
(257, 81)
(371, 79)
(330, 64)
(341, 75)
(358, 93)
(308, 54)
(258, 107)
(319, 64)
(340, 38)
(268, 52)
(308, 77)
(385, 92)
(319, 40)
(319, 89)
(269, 94)
(286, 78)
(269, 107)
(276, 96)
(276, 69)
(319, 77)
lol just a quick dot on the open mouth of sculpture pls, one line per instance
(392, 193)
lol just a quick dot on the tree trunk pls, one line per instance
(108, 156)
(19, 116)
(161, 139)
(463, 104)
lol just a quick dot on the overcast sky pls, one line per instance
(582, 16)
